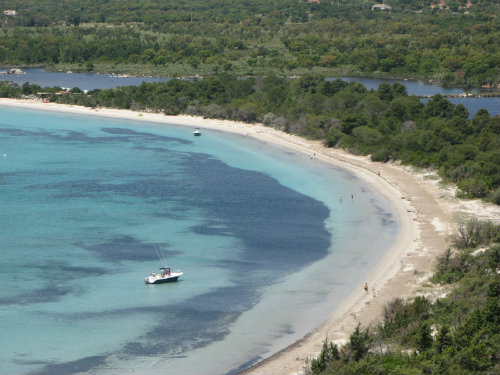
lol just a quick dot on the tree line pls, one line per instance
(416, 39)
(75, 12)
(386, 123)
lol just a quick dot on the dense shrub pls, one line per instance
(457, 334)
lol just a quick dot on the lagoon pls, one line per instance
(84, 81)
(92, 81)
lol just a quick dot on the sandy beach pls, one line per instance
(426, 210)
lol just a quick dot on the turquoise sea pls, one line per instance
(266, 246)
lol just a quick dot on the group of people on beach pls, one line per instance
(352, 198)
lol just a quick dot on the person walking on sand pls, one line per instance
(366, 287)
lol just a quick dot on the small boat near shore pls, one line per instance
(197, 132)
(165, 276)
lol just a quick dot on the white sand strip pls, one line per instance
(424, 211)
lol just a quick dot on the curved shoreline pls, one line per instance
(425, 214)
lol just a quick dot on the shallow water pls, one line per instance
(266, 246)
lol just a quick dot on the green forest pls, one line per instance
(457, 334)
(454, 42)
(385, 123)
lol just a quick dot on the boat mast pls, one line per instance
(162, 256)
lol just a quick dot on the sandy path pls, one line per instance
(426, 212)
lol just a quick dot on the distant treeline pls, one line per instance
(385, 123)
(458, 334)
(457, 44)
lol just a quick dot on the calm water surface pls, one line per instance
(421, 88)
(84, 81)
(267, 248)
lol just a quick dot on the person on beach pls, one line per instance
(366, 287)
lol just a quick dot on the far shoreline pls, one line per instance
(425, 213)
(328, 74)
(339, 72)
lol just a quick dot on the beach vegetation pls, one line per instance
(474, 233)
(458, 333)
(386, 123)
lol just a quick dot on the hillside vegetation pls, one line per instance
(457, 334)
(456, 43)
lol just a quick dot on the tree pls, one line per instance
(310, 83)
(351, 120)
(367, 135)
(423, 339)
(359, 343)
(398, 89)
(443, 339)
(329, 353)
(439, 107)
(461, 111)
(385, 92)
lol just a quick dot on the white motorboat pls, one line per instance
(197, 132)
(164, 276)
